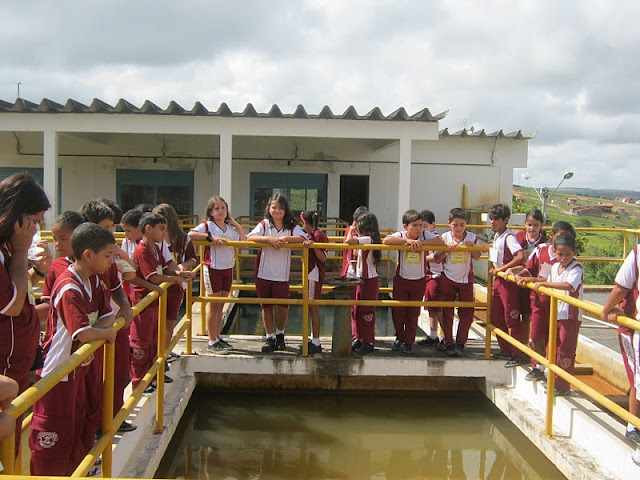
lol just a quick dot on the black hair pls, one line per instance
(410, 216)
(115, 208)
(428, 216)
(565, 240)
(69, 219)
(311, 217)
(95, 211)
(90, 236)
(20, 194)
(288, 221)
(561, 226)
(536, 215)
(457, 213)
(501, 211)
(144, 207)
(151, 219)
(132, 218)
(368, 226)
(357, 212)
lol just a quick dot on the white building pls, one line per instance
(329, 162)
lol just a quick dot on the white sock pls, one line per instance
(214, 342)
(271, 335)
(315, 341)
(630, 427)
(279, 332)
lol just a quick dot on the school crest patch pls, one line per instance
(137, 353)
(368, 317)
(514, 314)
(47, 439)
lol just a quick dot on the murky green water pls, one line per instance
(375, 436)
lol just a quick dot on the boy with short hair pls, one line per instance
(150, 266)
(506, 253)
(457, 281)
(432, 290)
(410, 280)
(62, 431)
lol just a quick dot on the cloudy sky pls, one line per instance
(566, 70)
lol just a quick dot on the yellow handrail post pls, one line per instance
(551, 357)
(189, 315)
(305, 301)
(625, 245)
(162, 331)
(487, 340)
(107, 404)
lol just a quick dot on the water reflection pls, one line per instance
(291, 436)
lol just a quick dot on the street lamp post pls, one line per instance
(545, 195)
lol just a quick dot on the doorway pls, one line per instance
(354, 192)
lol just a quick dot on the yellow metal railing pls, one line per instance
(27, 398)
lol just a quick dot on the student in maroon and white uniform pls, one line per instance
(567, 275)
(183, 256)
(273, 265)
(506, 253)
(62, 430)
(537, 269)
(217, 228)
(22, 205)
(151, 263)
(317, 259)
(456, 281)
(529, 238)
(625, 291)
(363, 323)
(410, 280)
(433, 270)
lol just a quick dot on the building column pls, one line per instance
(404, 178)
(50, 167)
(226, 155)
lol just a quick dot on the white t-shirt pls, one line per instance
(411, 264)
(365, 263)
(458, 266)
(627, 277)
(501, 243)
(572, 274)
(219, 258)
(273, 264)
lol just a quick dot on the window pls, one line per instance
(305, 191)
(174, 187)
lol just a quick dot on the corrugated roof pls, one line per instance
(149, 108)
(483, 134)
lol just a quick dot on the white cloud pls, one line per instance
(565, 70)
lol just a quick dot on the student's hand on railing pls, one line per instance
(187, 275)
(110, 334)
(156, 288)
(128, 316)
(414, 244)
(307, 243)
(537, 285)
(276, 242)
(611, 316)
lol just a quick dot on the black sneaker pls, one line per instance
(516, 361)
(397, 345)
(168, 379)
(429, 342)
(270, 345)
(459, 348)
(501, 356)
(534, 375)
(450, 351)
(172, 357)
(219, 348)
(441, 347)
(355, 345)
(150, 388)
(560, 392)
(313, 348)
(225, 343)
(280, 345)
(407, 349)
(126, 427)
(633, 435)
(365, 349)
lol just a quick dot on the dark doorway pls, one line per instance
(354, 192)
